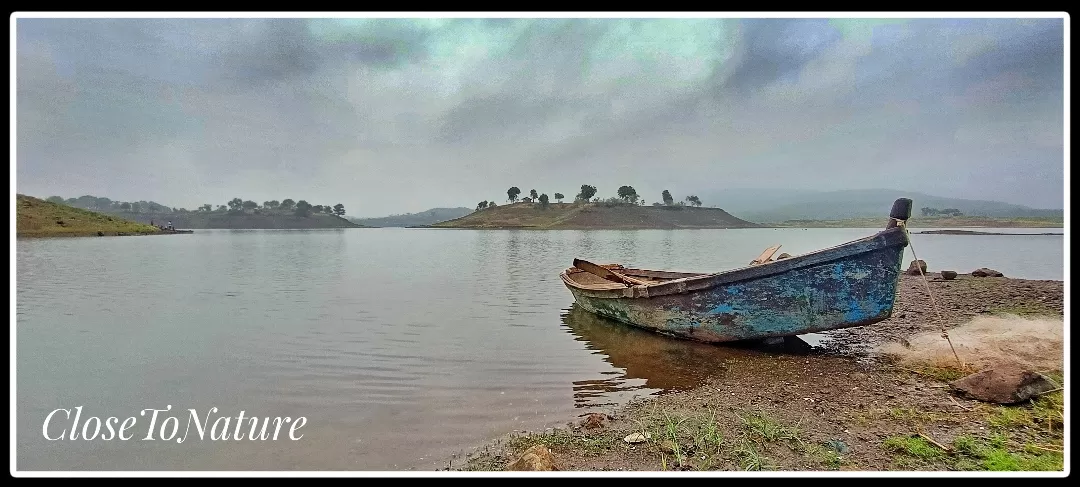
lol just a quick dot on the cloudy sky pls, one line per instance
(400, 115)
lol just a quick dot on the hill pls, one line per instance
(771, 205)
(39, 218)
(236, 214)
(595, 216)
(422, 218)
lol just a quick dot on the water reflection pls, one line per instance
(645, 361)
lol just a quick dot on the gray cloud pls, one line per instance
(394, 115)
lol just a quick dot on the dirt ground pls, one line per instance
(841, 406)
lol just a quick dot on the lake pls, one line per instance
(400, 347)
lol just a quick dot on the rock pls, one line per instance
(783, 255)
(838, 446)
(1004, 384)
(100, 233)
(985, 272)
(913, 268)
(536, 458)
(593, 420)
(633, 438)
(948, 275)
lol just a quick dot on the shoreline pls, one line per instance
(838, 406)
(84, 234)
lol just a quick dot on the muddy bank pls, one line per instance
(840, 406)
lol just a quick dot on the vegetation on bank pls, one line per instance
(626, 195)
(235, 214)
(38, 218)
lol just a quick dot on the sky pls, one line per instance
(400, 115)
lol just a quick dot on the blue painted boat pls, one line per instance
(853, 284)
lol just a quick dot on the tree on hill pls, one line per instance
(328, 210)
(512, 194)
(250, 205)
(339, 209)
(271, 205)
(481, 205)
(544, 201)
(587, 192)
(532, 194)
(235, 204)
(55, 199)
(207, 207)
(628, 194)
(287, 204)
(492, 204)
(303, 208)
(693, 200)
(317, 208)
(526, 199)
(668, 200)
(559, 197)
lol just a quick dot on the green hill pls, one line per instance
(422, 218)
(39, 218)
(595, 216)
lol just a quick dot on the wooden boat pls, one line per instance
(853, 284)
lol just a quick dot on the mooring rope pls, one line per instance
(944, 334)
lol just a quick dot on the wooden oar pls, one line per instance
(606, 273)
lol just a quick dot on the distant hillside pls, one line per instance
(429, 217)
(771, 205)
(595, 216)
(39, 218)
(236, 214)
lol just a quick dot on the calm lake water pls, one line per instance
(401, 347)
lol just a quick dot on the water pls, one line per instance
(401, 347)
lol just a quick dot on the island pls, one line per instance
(625, 212)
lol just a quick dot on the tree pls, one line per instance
(317, 208)
(207, 207)
(221, 208)
(125, 206)
(287, 204)
(55, 199)
(492, 204)
(559, 197)
(339, 209)
(532, 194)
(527, 199)
(481, 205)
(270, 205)
(236, 204)
(544, 201)
(693, 200)
(328, 210)
(250, 205)
(628, 194)
(512, 194)
(587, 192)
(303, 208)
(668, 200)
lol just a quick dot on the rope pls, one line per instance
(944, 334)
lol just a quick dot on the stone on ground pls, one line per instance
(1003, 384)
(536, 458)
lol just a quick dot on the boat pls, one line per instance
(849, 285)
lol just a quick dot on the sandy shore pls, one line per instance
(844, 405)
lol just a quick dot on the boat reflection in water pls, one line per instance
(646, 362)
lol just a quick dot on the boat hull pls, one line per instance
(850, 285)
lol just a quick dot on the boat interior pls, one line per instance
(593, 281)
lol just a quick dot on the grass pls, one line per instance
(39, 218)
(1026, 437)
(1025, 309)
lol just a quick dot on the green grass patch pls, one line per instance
(914, 446)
